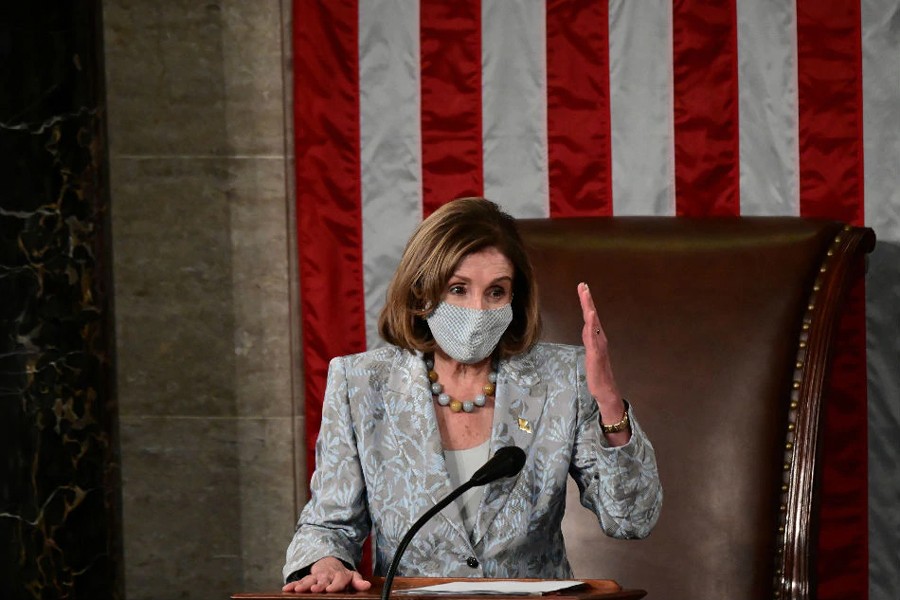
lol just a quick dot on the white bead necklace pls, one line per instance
(444, 399)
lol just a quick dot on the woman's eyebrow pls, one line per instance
(465, 279)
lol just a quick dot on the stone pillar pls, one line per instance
(59, 492)
(201, 234)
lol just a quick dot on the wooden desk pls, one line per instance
(600, 589)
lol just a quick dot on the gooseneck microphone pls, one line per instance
(506, 462)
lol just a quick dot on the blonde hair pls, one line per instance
(431, 257)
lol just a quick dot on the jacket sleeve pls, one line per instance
(619, 484)
(335, 521)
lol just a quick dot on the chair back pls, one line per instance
(721, 332)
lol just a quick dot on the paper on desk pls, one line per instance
(515, 588)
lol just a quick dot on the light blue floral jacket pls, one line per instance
(380, 465)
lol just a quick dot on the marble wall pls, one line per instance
(201, 223)
(59, 494)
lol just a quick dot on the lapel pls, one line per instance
(518, 405)
(413, 424)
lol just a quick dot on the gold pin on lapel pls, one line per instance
(524, 425)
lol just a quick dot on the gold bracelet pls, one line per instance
(622, 425)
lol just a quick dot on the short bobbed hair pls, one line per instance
(432, 255)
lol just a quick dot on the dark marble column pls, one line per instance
(60, 534)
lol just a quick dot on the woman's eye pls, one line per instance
(457, 290)
(497, 293)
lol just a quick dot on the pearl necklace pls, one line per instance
(457, 405)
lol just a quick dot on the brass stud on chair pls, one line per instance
(796, 385)
(799, 364)
(823, 269)
(788, 445)
(791, 426)
(794, 404)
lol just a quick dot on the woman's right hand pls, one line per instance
(328, 575)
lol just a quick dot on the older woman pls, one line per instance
(462, 375)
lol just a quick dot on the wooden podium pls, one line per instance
(605, 589)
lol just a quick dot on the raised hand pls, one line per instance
(600, 379)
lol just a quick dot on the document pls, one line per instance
(481, 587)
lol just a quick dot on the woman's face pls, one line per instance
(483, 280)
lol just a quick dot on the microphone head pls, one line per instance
(506, 462)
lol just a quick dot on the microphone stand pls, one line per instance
(506, 462)
(389, 576)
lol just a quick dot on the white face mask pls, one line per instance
(468, 335)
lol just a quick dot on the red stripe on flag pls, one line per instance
(452, 155)
(329, 236)
(578, 119)
(829, 77)
(829, 63)
(705, 88)
(843, 557)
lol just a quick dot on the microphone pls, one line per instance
(506, 462)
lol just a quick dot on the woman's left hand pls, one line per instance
(600, 379)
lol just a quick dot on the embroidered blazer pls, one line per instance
(380, 465)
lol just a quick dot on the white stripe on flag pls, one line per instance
(514, 106)
(390, 143)
(767, 74)
(640, 81)
(881, 132)
(881, 117)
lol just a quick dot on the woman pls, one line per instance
(463, 375)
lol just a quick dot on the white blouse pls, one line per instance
(461, 465)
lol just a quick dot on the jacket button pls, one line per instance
(472, 562)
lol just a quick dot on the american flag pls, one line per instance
(556, 108)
